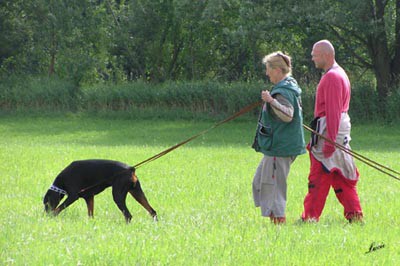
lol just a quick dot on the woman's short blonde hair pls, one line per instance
(279, 60)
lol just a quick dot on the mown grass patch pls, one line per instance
(202, 192)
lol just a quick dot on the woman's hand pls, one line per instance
(266, 97)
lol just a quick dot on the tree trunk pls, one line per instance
(396, 59)
(53, 52)
(377, 43)
(52, 64)
(381, 65)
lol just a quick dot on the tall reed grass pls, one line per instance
(189, 99)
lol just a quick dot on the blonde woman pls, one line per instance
(279, 137)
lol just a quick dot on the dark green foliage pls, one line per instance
(393, 106)
(91, 42)
(40, 93)
(364, 104)
(201, 99)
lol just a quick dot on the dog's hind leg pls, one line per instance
(139, 196)
(90, 205)
(120, 199)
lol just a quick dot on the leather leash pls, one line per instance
(164, 152)
(358, 156)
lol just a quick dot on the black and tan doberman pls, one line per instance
(86, 178)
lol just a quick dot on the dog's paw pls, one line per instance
(155, 219)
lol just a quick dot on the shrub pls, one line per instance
(43, 93)
(363, 105)
(393, 106)
(205, 97)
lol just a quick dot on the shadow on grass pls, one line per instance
(91, 130)
(84, 129)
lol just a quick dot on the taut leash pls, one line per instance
(133, 168)
(164, 152)
(381, 168)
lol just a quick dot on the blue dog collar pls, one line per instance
(57, 189)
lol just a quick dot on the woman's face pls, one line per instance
(272, 73)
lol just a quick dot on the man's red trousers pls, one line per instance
(319, 183)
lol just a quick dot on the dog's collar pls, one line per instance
(57, 189)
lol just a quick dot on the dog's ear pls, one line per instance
(46, 198)
(46, 201)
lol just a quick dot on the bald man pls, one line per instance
(331, 167)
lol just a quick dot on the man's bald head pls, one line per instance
(325, 46)
(323, 54)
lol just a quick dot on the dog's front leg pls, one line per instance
(90, 205)
(71, 199)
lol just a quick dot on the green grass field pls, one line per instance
(201, 191)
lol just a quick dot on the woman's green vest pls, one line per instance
(278, 138)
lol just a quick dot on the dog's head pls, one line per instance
(51, 200)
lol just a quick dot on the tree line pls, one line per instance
(94, 41)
